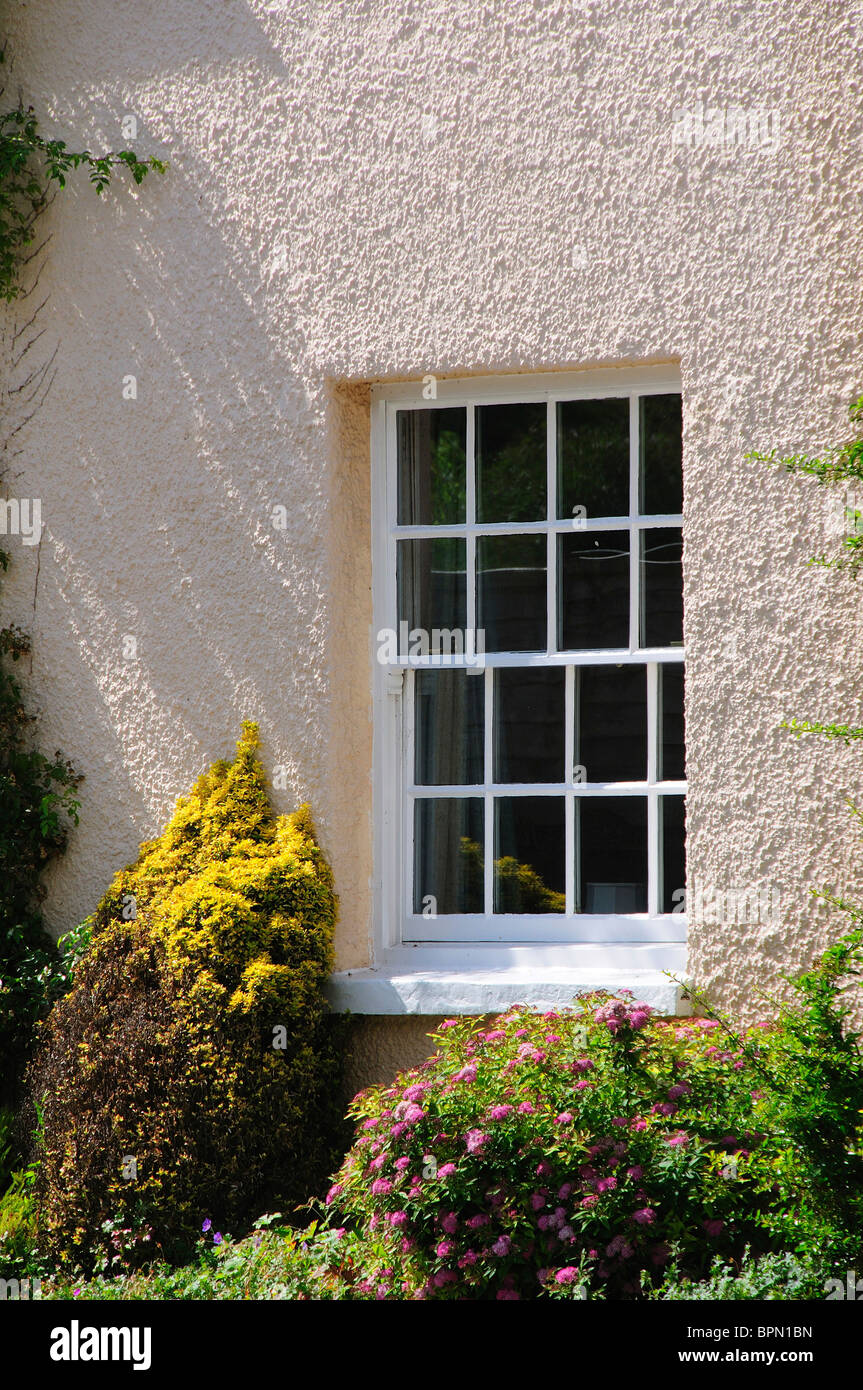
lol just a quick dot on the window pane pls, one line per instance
(593, 458)
(611, 723)
(662, 587)
(529, 854)
(612, 840)
(449, 737)
(511, 592)
(431, 584)
(672, 730)
(431, 466)
(511, 470)
(448, 857)
(672, 812)
(593, 587)
(529, 725)
(661, 430)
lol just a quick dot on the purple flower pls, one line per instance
(500, 1112)
(380, 1187)
(645, 1216)
(413, 1114)
(495, 1035)
(674, 1141)
(416, 1093)
(565, 1118)
(567, 1275)
(217, 1238)
(447, 1170)
(402, 1163)
(445, 1247)
(477, 1222)
(475, 1140)
(502, 1245)
(208, 1223)
(468, 1258)
(467, 1073)
(398, 1218)
(527, 1107)
(450, 1223)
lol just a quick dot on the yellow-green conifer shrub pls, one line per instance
(192, 1071)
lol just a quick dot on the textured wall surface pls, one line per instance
(375, 189)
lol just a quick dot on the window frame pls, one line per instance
(653, 937)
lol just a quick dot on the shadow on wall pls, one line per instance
(170, 605)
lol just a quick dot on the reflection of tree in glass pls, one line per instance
(519, 887)
(593, 457)
(511, 477)
(449, 480)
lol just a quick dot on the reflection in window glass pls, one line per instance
(661, 471)
(431, 466)
(511, 469)
(449, 734)
(661, 586)
(612, 853)
(529, 724)
(593, 589)
(431, 584)
(672, 730)
(611, 723)
(511, 600)
(593, 458)
(529, 854)
(448, 858)
(672, 816)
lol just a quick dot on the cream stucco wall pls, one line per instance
(375, 189)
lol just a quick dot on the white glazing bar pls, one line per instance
(488, 836)
(391, 601)
(654, 835)
(551, 539)
(653, 734)
(569, 744)
(634, 539)
(470, 516)
(405, 719)
(653, 718)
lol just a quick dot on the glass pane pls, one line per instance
(593, 589)
(431, 585)
(661, 431)
(611, 723)
(511, 470)
(611, 833)
(431, 466)
(529, 725)
(672, 744)
(449, 737)
(672, 812)
(593, 458)
(529, 854)
(662, 587)
(510, 596)
(448, 855)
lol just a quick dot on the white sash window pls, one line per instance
(528, 650)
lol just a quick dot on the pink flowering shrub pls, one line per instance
(566, 1155)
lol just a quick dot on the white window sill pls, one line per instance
(426, 982)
